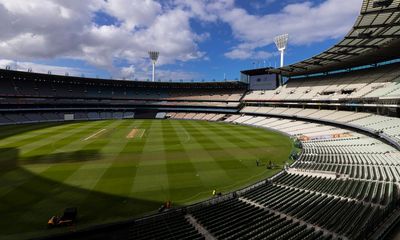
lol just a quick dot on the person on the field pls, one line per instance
(270, 165)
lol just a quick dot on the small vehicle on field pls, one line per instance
(67, 219)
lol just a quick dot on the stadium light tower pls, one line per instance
(281, 43)
(154, 57)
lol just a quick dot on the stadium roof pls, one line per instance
(256, 71)
(375, 37)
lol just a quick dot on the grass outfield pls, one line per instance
(116, 169)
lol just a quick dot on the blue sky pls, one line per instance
(197, 39)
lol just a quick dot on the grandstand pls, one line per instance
(342, 106)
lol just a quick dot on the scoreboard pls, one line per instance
(263, 82)
(260, 79)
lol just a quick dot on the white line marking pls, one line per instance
(95, 134)
(142, 133)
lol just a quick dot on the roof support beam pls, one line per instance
(384, 25)
(356, 46)
(315, 63)
(375, 37)
(379, 11)
(286, 70)
(327, 59)
(304, 68)
(342, 53)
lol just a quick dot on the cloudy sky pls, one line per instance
(198, 39)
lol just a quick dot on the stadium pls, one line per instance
(305, 151)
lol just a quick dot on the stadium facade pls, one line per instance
(343, 105)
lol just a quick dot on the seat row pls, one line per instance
(363, 190)
(235, 219)
(168, 226)
(342, 216)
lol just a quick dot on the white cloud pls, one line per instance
(167, 75)
(134, 13)
(50, 29)
(128, 72)
(205, 10)
(42, 68)
(239, 53)
(305, 22)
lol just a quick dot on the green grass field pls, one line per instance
(118, 169)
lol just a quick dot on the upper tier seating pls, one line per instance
(20, 84)
(375, 83)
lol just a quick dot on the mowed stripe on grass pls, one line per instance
(203, 172)
(151, 174)
(119, 177)
(183, 178)
(49, 142)
(88, 175)
(33, 132)
(218, 150)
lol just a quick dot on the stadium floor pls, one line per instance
(116, 169)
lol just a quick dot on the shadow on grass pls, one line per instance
(28, 200)
(10, 130)
(63, 157)
(8, 159)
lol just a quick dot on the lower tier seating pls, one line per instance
(373, 122)
(235, 219)
(169, 226)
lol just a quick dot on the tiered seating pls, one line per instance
(161, 115)
(232, 118)
(377, 83)
(129, 115)
(35, 117)
(243, 119)
(22, 84)
(93, 115)
(169, 226)
(189, 116)
(382, 193)
(387, 125)
(170, 115)
(344, 217)
(235, 219)
(198, 116)
(117, 115)
(209, 116)
(179, 116)
(393, 92)
(218, 117)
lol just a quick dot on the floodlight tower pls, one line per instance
(281, 43)
(154, 57)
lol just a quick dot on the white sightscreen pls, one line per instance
(69, 117)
